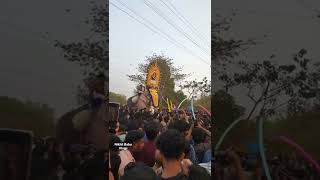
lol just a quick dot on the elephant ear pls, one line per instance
(81, 120)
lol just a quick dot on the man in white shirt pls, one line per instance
(135, 138)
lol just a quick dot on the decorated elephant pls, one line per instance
(140, 101)
(84, 126)
(147, 97)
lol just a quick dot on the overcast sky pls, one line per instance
(131, 42)
(30, 67)
(289, 25)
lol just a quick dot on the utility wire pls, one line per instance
(166, 36)
(185, 20)
(154, 31)
(149, 22)
(163, 16)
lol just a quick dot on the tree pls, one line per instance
(119, 98)
(170, 75)
(266, 83)
(204, 101)
(195, 87)
(32, 116)
(223, 49)
(200, 90)
(91, 53)
(225, 111)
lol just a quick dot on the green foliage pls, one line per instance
(302, 127)
(195, 88)
(204, 101)
(119, 98)
(225, 111)
(31, 116)
(265, 83)
(270, 86)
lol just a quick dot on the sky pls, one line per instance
(289, 25)
(130, 42)
(30, 67)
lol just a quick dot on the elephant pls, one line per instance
(139, 102)
(84, 126)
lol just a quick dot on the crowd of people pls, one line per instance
(53, 161)
(142, 146)
(160, 145)
(234, 164)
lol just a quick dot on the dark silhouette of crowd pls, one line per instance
(52, 161)
(160, 145)
(234, 164)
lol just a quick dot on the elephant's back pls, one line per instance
(65, 130)
(138, 102)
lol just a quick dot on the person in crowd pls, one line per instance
(139, 171)
(114, 139)
(186, 130)
(72, 163)
(197, 172)
(94, 167)
(200, 147)
(55, 158)
(147, 155)
(207, 157)
(229, 167)
(171, 145)
(121, 132)
(135, 138)
(114, 161)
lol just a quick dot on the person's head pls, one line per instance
(135, 137)
(198, 135)
(152, 130)
(121, 129)
(171, 144)
(182, 114)
(183, 127)
(197, 172)
(139, 172)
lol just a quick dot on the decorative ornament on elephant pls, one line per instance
(147, 97)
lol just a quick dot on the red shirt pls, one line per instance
(147, 155)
